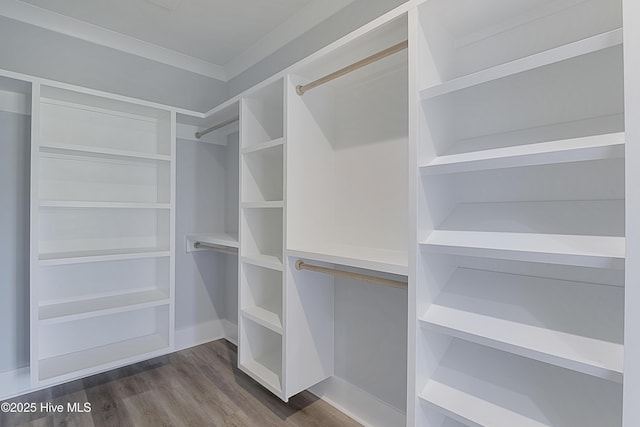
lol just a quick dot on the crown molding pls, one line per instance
(53, 21)
(307, 18)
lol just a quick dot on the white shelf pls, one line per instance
(259, 369)
(99, 256)
(264, 317)
(225, 240)
(587, 251)
(386, 261)
(99, 151)
(92, 307)
(479, 386)
(101, 205)
(472, 410)
(262, 205)
(265, 261)
(263, 146)
(78, 364)
(571, 50)
(596, 147)
(575, 325)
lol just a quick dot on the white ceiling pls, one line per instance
(217, 38)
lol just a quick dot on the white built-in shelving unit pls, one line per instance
(102, 233)
(519, 142)
(261, 326)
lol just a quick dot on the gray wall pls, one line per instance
(35, 51)
(207, 201)
(15, 138)
(347, 20)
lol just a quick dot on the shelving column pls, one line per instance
(521, 229)
(261, 235)
(102, 234)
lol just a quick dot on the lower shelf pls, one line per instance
(263, 371)
(61, 258)
(81, 363)
(264, 317)
(484, 387)
(91, 307)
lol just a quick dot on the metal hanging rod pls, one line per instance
(301, 265)
(217, 248)
(202, 133)
(301, 89)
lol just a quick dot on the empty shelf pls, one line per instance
(264, 317)
(60, 258)
(101, 205)
(480, 386)
(596, 147)
(81, 309)
(266, 261)
(387, 261)
(263, 146)
(86, 150)
(262, 205)
(571, 50)
(587, 251)
(571, 324)
(110, 356)
(594, 357)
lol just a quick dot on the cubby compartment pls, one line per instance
(260, 354)
(262, 116)
(262, 235)
(262, 296)
(81, 232)
(565, 105)
(262, 175)
(72, 349)
(68, 177)
(500, 389)
(76, 291)
(464, 37)
(347, 160)
(80, 122)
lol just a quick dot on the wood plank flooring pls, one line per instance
(200, 386)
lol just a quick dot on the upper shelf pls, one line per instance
(383, 260)
(572, 50)
(52, 147)
(607, 146)
(587, 251)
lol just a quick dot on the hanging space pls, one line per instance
(347, 212)
(521, 214)
(207, 227)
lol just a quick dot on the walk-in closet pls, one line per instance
(362, 212)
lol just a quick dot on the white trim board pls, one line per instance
(11, 102)
(363, 407)
(302, 21)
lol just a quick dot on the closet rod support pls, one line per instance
(301, 89)
(201, 245)
(301, 265)
(202, 133)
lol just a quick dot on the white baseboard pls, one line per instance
(230, 331)
(14, 383)
(358, 404)
(199, 334)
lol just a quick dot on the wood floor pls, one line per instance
(200, 386)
